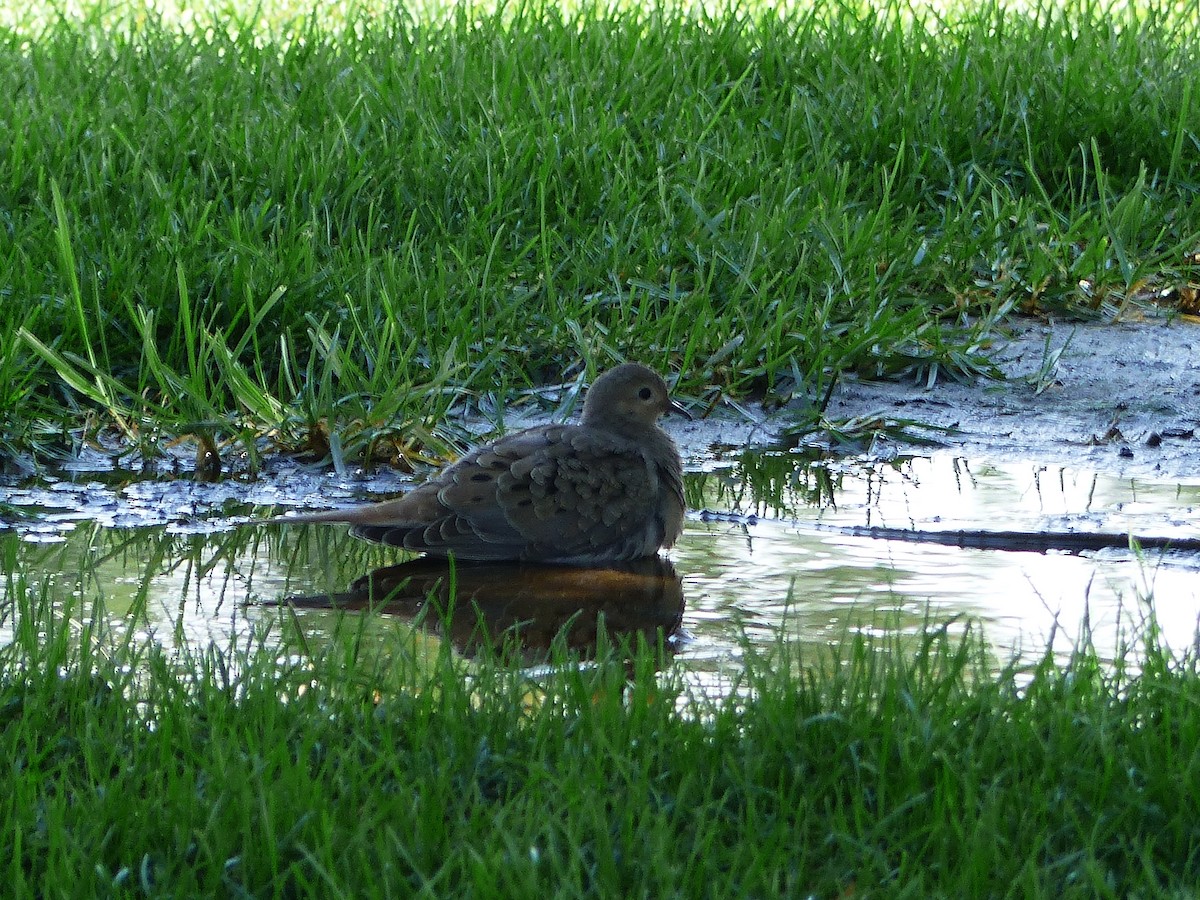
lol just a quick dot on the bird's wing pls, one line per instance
(549, 493)
(585, 494)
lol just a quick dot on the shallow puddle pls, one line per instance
(760, 560)
(779, 572)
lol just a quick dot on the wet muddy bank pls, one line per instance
(1121, 398)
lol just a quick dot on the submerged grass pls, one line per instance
(869, 768)
(326, 230)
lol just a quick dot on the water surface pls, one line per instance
(169, 561)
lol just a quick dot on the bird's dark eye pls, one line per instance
(645, 393)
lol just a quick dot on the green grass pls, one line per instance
(367, 768)
(323, 233)
(320, 233)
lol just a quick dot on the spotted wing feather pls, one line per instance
(565, 493)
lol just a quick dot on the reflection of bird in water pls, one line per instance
(607, 489)
(526, 602)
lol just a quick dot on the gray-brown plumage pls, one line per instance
(609, 488)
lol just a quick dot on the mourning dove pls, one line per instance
(607, 489)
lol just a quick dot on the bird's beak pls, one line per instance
(676, 409)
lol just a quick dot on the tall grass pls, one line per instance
(326, 230)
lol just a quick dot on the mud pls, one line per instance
(1123, 399)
